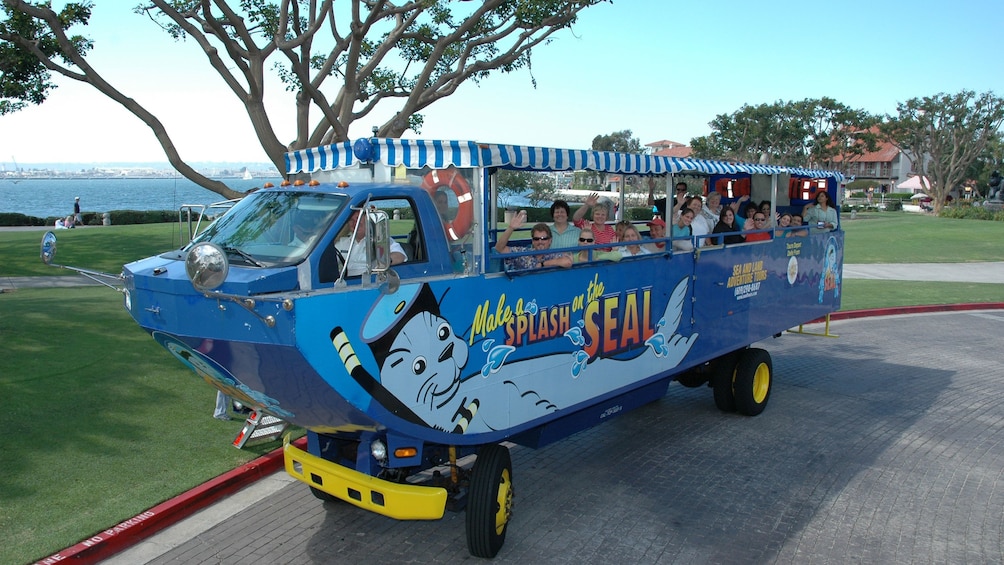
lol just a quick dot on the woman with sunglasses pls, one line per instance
(585, 239)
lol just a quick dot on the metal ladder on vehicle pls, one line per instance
(260, 428)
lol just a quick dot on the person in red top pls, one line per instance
(601, 231)
(759, 223)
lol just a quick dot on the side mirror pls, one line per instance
(378, 241)
(48, 247)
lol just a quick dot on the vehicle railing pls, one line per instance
(185, 213)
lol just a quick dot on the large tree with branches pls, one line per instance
(341, 58)
(942, 135)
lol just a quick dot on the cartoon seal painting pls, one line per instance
(422, 363)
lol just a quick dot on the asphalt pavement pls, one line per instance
(884, 445)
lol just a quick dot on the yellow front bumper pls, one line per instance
(402, 502)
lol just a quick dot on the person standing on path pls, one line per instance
(76, 212)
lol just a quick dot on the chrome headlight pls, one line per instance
(206, 266)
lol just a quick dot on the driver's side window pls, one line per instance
(349, 243)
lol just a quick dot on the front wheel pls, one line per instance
(489, 501)
(321, 495)
(752, 382)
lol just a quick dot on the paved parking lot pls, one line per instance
(885, 445)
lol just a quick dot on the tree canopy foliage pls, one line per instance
(342, 59)
(620, 141)
(943, 135)
(24, 79)
(810, 133)
(537, 187)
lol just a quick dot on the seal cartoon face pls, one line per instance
(424, 362)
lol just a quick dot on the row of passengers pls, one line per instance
(699, 226)
(541, 239)
(820, 213)
(730, 230)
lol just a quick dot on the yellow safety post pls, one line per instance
(826, 329)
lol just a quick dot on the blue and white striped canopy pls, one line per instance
(415, 153)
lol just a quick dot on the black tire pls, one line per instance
(721, 382)
(753, 380)
(489, 501)
(692, 379)
(321, 495)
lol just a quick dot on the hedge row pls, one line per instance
(969, 212)
(118, 217)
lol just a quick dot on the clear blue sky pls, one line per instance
(661, 68)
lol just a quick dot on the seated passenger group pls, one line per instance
(713, 224)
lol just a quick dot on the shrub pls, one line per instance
(124, 217)
(18, 219)
(965, 211)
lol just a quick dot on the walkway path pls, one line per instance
(989, 272)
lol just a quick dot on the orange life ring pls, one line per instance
(452, 179)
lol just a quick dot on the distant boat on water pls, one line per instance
(247, 174)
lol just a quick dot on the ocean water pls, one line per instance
(45, 198)
(54, 197)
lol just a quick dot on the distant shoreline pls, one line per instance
(15, 180)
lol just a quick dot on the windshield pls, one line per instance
(272, 228)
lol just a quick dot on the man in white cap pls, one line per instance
(76, 211)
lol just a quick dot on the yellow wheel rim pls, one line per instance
(761, 382)
(504, 500)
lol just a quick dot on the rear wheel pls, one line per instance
(752, 382)
(489, 501)
(721, 382)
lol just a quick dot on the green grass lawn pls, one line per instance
(96, 419)
(903, 237)
(98, 416)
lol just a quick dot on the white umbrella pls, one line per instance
(913, 183)
(919, 196)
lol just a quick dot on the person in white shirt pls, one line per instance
(354, 249)
(631, 234)
(700, 225)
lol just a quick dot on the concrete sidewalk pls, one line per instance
(989, 272)
(10, 284)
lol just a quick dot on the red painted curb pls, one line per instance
(109, 542)
(872, 312)
(106, 543)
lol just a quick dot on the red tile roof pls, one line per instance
(885, 153)
(681, 151)
(665, 144)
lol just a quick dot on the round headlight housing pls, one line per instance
(378, 450)
(206, 266)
